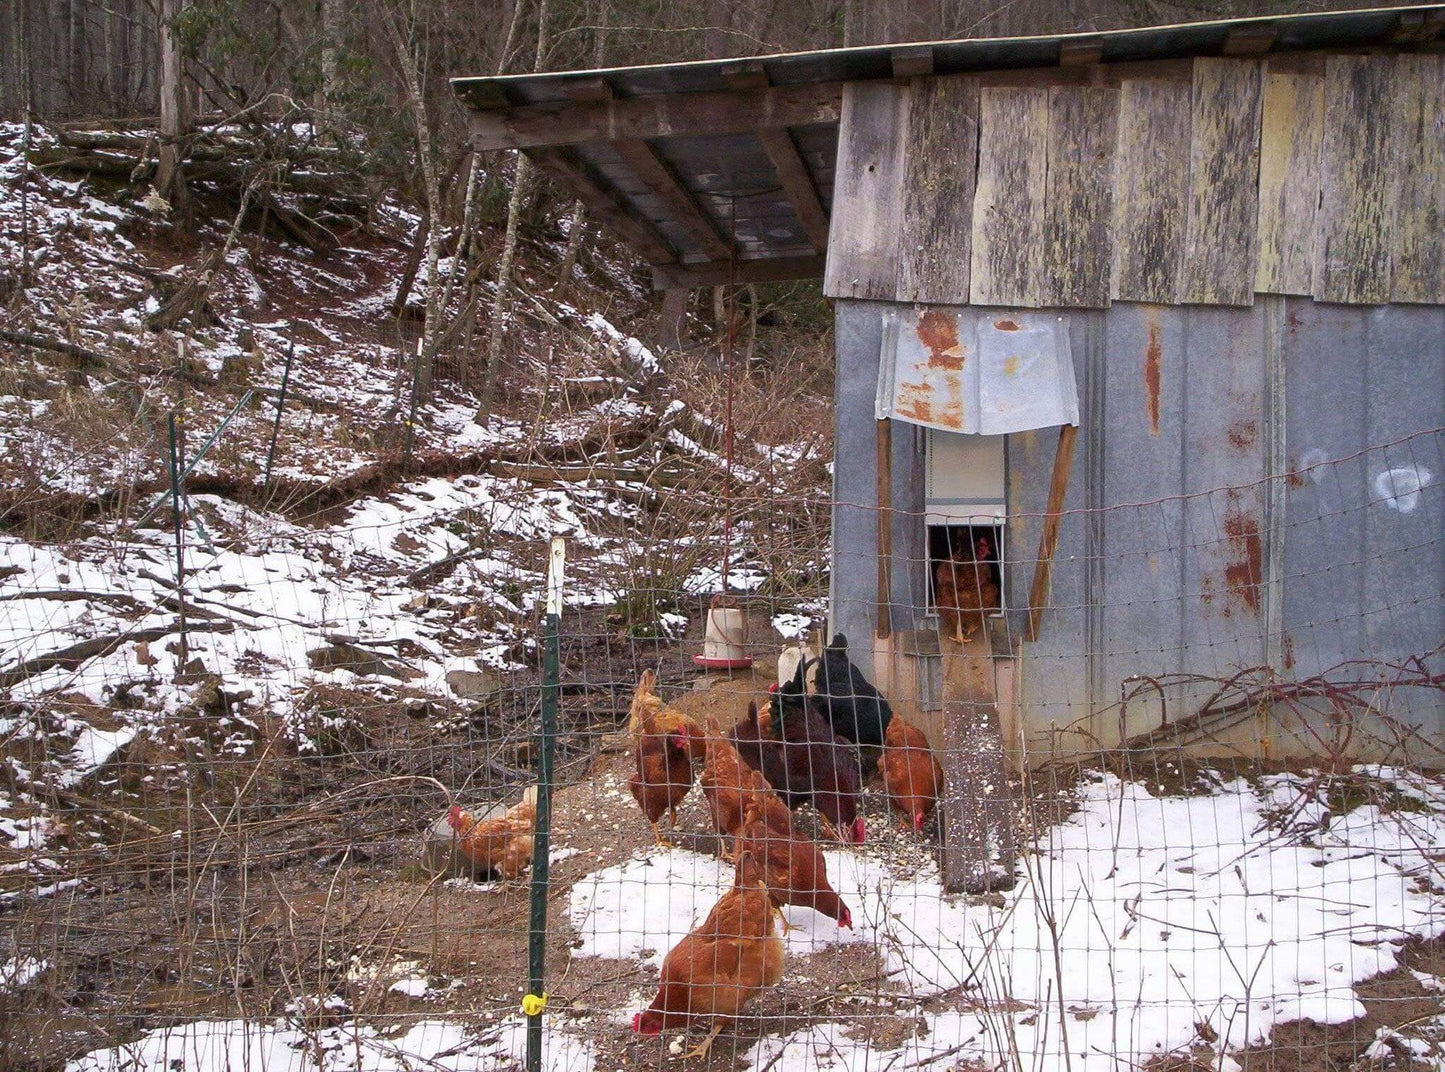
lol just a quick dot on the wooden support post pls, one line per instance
(674, 318)
(884, 478)
(1049, 539)
(979, 846)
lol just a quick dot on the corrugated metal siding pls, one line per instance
(1366, 579)
(1164, 558)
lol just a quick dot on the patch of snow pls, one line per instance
(284, 1046)
(20, 971)
(1158, 913)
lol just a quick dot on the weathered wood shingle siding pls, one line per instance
(1149, 187)
(866, 203)
(1199, 182)
(1291, 128)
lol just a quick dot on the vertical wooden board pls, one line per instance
(1418, 234)
(938, 185)
(1360, 179)
(1149, 184)
(1007, 264)
(1220, 231)
(1078, 195)
(863, 234)
(1291, 127)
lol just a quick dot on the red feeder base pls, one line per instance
(722, 664)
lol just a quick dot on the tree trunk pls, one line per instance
(170, 182)
(404, 39)
(502, 300)
(330, 51)
(575, 234)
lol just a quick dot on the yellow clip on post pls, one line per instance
(532, 1005)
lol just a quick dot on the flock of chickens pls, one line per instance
(804, 747)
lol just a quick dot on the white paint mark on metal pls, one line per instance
(1400, 489)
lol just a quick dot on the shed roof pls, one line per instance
(720, 169)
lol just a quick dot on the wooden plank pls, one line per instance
(1360, 178)
(1078, 196)
(797, 183)
(589, 89)
(936, 230)
(863, 238)
(719, 273)
(1084, 53)
(604, 203)
(655, 173)
(1418, 235)
(748, 74)
(1049, 537)
(1006, 266)
(1252, 39)
(979, 847)
(1149, 189)
(721, 111)
(1221, 230)
(1291, 128)
(912, 61)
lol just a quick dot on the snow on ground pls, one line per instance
(288, 1046)
(1158, 913)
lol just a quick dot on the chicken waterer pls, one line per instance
(724, 643)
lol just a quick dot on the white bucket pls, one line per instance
(726, 636)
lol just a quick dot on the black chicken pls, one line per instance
(852, 706)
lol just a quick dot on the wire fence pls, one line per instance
(276, 791)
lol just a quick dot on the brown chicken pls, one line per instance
(666, 751)
(502, 845)
(729, 783)
(722, 964)
(911, 772)
(793, 866)
(964, 590)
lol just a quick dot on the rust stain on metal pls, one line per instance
(1296, 479)
(939, 334)
(1153, 359)
(1244, 571)
(1243, 434)
(1288, 652)
(1011, 364)
(917, 404)
(1006, 325)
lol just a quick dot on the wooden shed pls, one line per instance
(1216, 250)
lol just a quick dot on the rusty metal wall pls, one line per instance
(1244, 494)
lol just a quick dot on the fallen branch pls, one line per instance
(57, 346)
(71, 658)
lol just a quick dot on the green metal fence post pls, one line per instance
(536, 999)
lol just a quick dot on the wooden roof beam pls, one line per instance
(654, 173)
(604, 203)
(797, 183)
(658, 116)
(911, 61)
(719, 273)
(1250, 40)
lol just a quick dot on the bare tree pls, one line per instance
(170, 182)
(404, 28)
(502, 300)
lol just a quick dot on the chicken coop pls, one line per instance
(1147, 328)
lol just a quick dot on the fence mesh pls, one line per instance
(1187, 816)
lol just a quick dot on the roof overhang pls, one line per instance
(722, 170)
